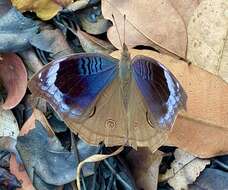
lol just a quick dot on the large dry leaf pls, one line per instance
(184, 170)
(8, 124)
(44, 9)
(144, 166)
(14, 78)
(151, 23)
(208, 37)
(203, 129)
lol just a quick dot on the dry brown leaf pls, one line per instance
(144, 166)
(44, 9)
(8, 124)
(91, 44)
(184, 170)
(208, 37)
(14, 78)
(203, 129)
(14, 167)
(151, 23)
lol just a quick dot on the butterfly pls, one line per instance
(117, 102)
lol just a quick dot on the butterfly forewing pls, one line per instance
(73, 84)
(162, 93)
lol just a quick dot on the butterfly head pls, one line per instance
(125, 54)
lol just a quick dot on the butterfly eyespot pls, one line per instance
(92, 112)
(148, 120)
(110, 123)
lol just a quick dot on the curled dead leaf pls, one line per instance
(14, 78)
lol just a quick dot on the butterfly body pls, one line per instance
(125, 75)
(114, 101)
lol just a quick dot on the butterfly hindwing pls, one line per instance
(161, 91)
(72, 84)
(108, 124)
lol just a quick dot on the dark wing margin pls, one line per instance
(73, 83)
(161, 91)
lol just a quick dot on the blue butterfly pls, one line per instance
(113, 101)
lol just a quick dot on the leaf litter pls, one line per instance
(47, 153)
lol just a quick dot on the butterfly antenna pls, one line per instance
(124, 29)
(114, 20)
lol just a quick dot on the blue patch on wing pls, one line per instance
(72, 84)
(162, 92)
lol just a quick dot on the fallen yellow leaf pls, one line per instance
(44, 9)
